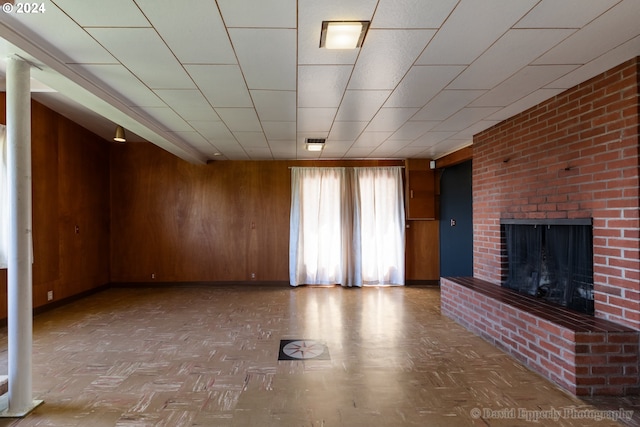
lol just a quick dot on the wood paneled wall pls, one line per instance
(121, 213)
(422, 251)
(70, 173)
(174, 221)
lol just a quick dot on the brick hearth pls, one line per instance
(583, 354)
(575, 155)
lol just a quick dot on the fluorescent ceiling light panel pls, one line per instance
(315, 144)
(343, 34)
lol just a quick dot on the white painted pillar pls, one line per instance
(19, 273)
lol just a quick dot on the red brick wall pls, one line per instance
(573, 156)
(585, 358)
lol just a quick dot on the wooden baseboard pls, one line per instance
(415, 283)
(154, 284)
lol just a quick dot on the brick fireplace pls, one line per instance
(573, 156)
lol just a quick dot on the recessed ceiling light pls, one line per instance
(343, 34)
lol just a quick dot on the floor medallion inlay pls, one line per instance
(302, 349)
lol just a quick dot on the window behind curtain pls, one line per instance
(347, 226)
(379, 227)
(316, 254)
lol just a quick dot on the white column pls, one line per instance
(19, 273)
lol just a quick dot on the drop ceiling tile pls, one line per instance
(72, 44)
(251, 139)
(114, 13)
(386, 57)
(322, 85)
(336, 10)
(335, 151)
(485, 41)
(597, 38)
(361, 105)
(148, 58)
(195, 140)
(360, 152)
(315, 120)
(516, 49)
(235, 153)
(572, 14)
(190, 104)
(390, 119)
(521, 84)
(229, 146)
(524, 103)
(412, 14)
(384, 152)
(267, 57)
(212, 130)
(412, 152)
(276, 106)
(471, 29)
(222, 85)
(465, 118)
(259, 153)
(394, 145)
(412, 130)
(346, 131)
(311, 13)
(263, 13)
(302, 154)
(371, 139)
(467, 134)
(599, 65)
(430, 139)
(240, 119)
(283, 149)
(122, 84)
(447, 103)
(279, 130)
(421, 84)
(194, 31)
(165, 118)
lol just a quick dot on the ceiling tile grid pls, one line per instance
(246, 79)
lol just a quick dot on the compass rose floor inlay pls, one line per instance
(301, 349)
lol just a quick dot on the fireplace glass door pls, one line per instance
(552, 262)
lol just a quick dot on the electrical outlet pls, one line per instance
(50, 296)
(253, 276)
(153, 275)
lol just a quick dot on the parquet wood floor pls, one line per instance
(207, 356)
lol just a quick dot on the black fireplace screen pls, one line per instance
(552, 262)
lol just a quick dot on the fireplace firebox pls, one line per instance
(552, 260)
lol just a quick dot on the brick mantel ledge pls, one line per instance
(583, 354)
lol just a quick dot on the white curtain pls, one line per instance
(346, 227)
(317, 238)
(378, 235)
(4, 199)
